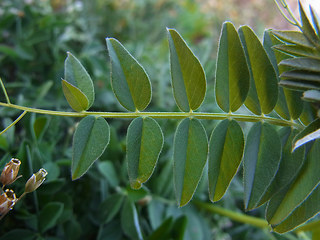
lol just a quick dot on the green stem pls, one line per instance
(293, 20)
(166, 115)
(4, 91)
(239, 217)
(14, 123)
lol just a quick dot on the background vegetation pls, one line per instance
(34, 39)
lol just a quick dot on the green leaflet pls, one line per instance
(280, 207)
(288, 100)
(298, 51)
(261, 161)
(225, 153)
(130, 82)
(190, 150)
(89, 142)
(129, 220)
(290, 165)
(308, 209)
(310, 133)
(303, 63)
(76, 99)
(281, 107)
(299, 85)
(263, 90)
(297, 75)
(294, 37)
(76, 75)
(144, 144)
(188, 77)
(307, 28)
(315, 21)
(232, 74)
(49, 215)
(311, 96)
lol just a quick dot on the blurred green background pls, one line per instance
(34, 38)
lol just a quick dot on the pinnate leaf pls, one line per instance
(144, 144)
(232, 74)
(225, 153)
(130, 82)
(188, 77)
(89, 142)
(190, 154)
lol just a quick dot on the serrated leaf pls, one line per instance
(129, 221)
(290, 165)
(280, 207)
(308, 209)
(89, 142)
(130, 82)
(288, 100)
(307, 28)
(144, 144)
(49, 215)
(110, 207)
(310, 133)
(225, 153)
(190, 150)
(262, 152)
(295, 37)
(311, 96)
(262, 72)
(75, 97)
(302, 63)
(232, 74)
(187, 74)
(76, 75)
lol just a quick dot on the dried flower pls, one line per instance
(10, 172)
(7, 201)
(35, 180)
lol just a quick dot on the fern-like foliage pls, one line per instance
(247, 80)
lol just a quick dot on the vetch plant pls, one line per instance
(255, 82)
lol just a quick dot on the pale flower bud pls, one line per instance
(35, 180)
(7, 201)
(10, 172)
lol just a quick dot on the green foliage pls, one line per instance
(101, 201)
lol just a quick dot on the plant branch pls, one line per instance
(293, 20)
(239, 217)
(14, 123)
(4, 91)
(166, 115)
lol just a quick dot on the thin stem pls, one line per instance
(5, 91)
(293, 20)
(166, 115)
(14, 123)
(239, 217)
